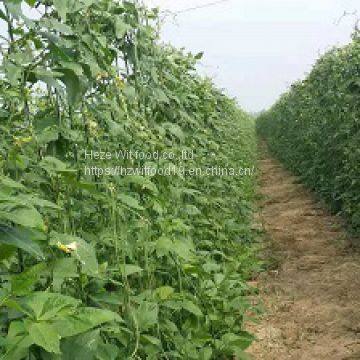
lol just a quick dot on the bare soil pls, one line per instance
(312, 294)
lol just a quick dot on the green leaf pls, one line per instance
(147, 315)
(22, 284)
(51, 164)
(175, 130)
(129, 269)
(8, 183)
(107, 352)
(191, 307)
(184, 248)
(44, 306)
(206, 353)
(48, 135)
(22, 215)
(61, 7)
(14, 7)
(73, 66)
(73, 85)
(53, 24)
(238, 342)
(19, 238)
(199, 55)
(64, 269)
(45, 336)
(31, 2)
(141, 181)
(164, 246)
(130, 92)
(81, 347)
(18, 347)
(164, 292)
(36, 201)
(83, 320)
(6, 251)
(160, 96)
(13, 73)
(120, 28)
(130, 201)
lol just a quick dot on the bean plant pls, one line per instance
(117, 267)
(314, 128)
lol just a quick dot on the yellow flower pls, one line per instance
(22, 140)
(119, 82)
(102, 75)
(68, 249)
(111, 188)
(93, 126)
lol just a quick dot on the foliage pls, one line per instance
(115, 267)
(315, 129)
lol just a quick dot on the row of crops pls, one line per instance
(315, 129)
(117, 267)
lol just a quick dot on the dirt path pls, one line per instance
(313, 297)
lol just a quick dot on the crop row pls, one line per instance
(117, 267)
(315, 129)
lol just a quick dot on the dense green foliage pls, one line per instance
(116, 267)
(315, 129)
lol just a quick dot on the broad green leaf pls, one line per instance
(160, 95)
(8, 183)
(45, 336)
(147, 315)
(53, 24)
(175, 130)
(73, 66)
(164, 292)
(14, 7)
(81, 347)
(164, 246)
(206, 353)
(143, 182)
(84, 320)
(6, 251)
(129, 269)
(48, 135)
(191, 307)
(36, 201)
(73, 85)
(130, 92)
(184, 248)
(18, 347)
(107, 352)
(22, 284)
(151, 339)
(19, 238)
(239, 341)
(62, 7)
(130, 201)
(22, 215)
(63, 269)
(53, 165)
(108, 298)
(120, 28)
(47, 306)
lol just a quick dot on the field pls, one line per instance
(129, 185)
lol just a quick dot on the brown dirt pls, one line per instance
(312, 298)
